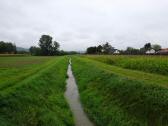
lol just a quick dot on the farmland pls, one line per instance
(113, 96)
(32, 91)
(152, 64)
(114, 90)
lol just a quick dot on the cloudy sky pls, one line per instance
(77, 24)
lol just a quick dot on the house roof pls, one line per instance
(150, 51)
(166, 49)
(163, 50)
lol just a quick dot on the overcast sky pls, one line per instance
(77, 24)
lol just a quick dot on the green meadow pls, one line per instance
(114, 90)
(114, 96)
(32, 92)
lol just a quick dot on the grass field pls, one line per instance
(152, 64)
(114, 90)
(32, 92)
(113, 96)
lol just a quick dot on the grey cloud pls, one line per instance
(79, 24)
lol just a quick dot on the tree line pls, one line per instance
(109, 49)
(48, 47)
(7, 48)
(143, 50)
(100, 49)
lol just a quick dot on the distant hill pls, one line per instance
(22, 49)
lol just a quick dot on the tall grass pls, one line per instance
(37, 100)
(113, 100)
(152, 64)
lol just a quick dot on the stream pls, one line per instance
(73, 98)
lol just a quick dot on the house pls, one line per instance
(151, 51)
(163, 51)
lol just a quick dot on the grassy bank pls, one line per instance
(36, 97)
(151, 64)
(112, 99)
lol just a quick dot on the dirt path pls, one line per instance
(72, 95)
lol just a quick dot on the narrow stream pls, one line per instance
(72, 96)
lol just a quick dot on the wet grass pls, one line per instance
(32, 93)
(112, 98)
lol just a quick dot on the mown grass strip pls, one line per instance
(23, 75)
(38, 100)
(114, 100)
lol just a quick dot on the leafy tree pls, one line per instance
(156, 47)
(55, 48)
(129, 50)
(147, 46)
(133, 51)
(91, 50)
(107, 48)
(35, 51)
(45, 44)
(142, 50)
(2, 47)
(7, 47)
(99, 49)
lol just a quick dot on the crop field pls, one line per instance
(114, 90)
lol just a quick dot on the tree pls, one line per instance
(35, 51)
(45, 44)
(99, 49)
(107, 48)
(7, 47)
(129, 50)
(156, 47)
(142, 50)
(55, 48)
(147, 46)
(133, 51)
(91, 50)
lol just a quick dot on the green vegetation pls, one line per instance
(113, 96)
(107, 48)
(152, 64)
(47, 47)
(101, 49)
(32, 92)
(7, 47)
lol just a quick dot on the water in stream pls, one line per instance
(72, 96)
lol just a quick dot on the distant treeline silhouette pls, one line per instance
(7, 48)
(106, 48)
(101, 49)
